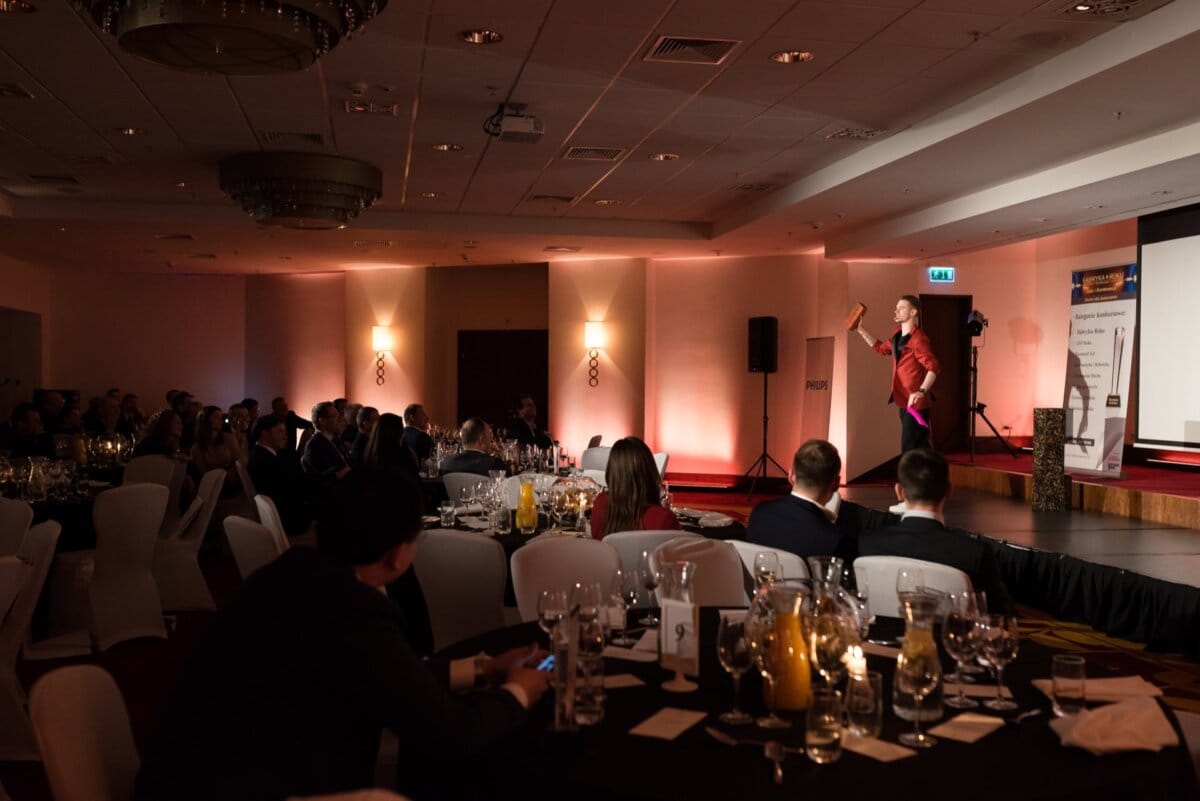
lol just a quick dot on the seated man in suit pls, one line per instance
(800, 523)
(524, 428)
(276, 473)
(416, 432)
(326, 454)
(476, 457)
(368, 416)
(295, 425)
(924, 484)
(289, 693)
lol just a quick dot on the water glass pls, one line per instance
(733, 651)
(908, 581)
(999, 646)
(589, 688)
(446, 510)
(589, 599)
(766, 568)
(864, 704)
(648, 577)
(1068, 674)
(823, 727)
(552, 607)
(500, 519)
(960, 636)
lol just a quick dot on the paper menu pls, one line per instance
(668, 723)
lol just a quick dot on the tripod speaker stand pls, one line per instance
(759, 467)
(977, 408)
(763, 358)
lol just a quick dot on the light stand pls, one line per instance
(759, 467)
(977, 409)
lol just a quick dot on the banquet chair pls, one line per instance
(462, 576)
(181, 585)
(558, 563)
(792, 566)
(252, 543)
(268, 513)
(718, 581)
(84, 735)
(877, 575)
(630, 544)
(660, 461)
(39, 550)
(123, 593)
(16, 736)
(595, 458)
(599, 476)
(456, 481)
(15, 519)
(246, 505)
(157, 469)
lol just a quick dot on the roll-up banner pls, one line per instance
(818, 386)
(1096, 395)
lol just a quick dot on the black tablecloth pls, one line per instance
(1022, 761)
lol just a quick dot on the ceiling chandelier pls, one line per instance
(313, 191)
(231, 37)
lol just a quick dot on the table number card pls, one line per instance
(678, 637)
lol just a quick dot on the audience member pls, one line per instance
(294, 423)
(633, 499)
(326, 454)
(416, 432)
(239, 428)
(106, 415)
(302, 671)
(131, 419)
(368, 416)
(91, 417)
(923, 485)
(52, 410)
(164, 433)
(29, 438)
(192, 409)
(799, 522)
(386, 451)
(251, 405)
(475, 457)
(276, 473)
(524, 428)
(350, 415)
(214, 448)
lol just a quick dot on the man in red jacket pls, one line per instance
(914, 369)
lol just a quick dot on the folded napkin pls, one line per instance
(714, 520)
(470, 509)
(1120, 688)
(1134, 725)
(476, 523)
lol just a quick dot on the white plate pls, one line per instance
(715, 520)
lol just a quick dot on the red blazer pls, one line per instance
(915, 361)
(654, 518)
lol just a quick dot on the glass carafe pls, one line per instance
(783, 611)
(527, 515)
(35, 480)
(920, 613)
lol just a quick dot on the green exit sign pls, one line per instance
(941, 275)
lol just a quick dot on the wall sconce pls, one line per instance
(382, 342)
(593, 340)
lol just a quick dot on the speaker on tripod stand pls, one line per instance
(976, 322)
(763, 358)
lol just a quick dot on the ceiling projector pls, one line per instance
(510, 123)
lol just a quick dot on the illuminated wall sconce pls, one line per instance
(383, 340)
(593, 340)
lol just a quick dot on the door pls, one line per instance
(20, 358)
(944, 319)
(496, 367)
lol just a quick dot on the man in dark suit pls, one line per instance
(524, 428)
(800, 523)
(276, 473)
(416, 432)
(298, 676)
(476, 437)
(368, 416)
(326, 454)
(924, 484)
(296, 425)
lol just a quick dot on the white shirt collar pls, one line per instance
(924, 514)
(267, 448)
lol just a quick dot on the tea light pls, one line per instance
(856, 663)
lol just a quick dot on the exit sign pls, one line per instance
(941, 275)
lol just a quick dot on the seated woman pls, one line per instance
(214, 448)
(632, 500)
(163, 432)
(386, 450)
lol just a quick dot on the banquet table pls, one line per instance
(1017, 761)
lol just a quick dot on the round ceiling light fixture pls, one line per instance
(664, 156)
(482, 36)
(313, 191)
(791, 56)
(231, 37)
(447, 147)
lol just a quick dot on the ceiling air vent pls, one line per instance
(593, 153)
(754, 187)
(290, 138)
(360, 106)
(683, 50)
(1110, 10)
(860, 134)
(552, 198)
(51, 179)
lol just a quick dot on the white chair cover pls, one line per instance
(595, 458)
(660, 461)
(268, 513)
(599, 476)
(512, 487)
(39, 549)
(719, 580)
(123, 593)
(877, 574)
(630, 544)
(84, 735)
(157, 469)
(793, 566)
(244, 476)
(252, 543)
(15, 519)
(181, 585)
(456, 481)
(462, 576)
(558, 563)
(374, 794)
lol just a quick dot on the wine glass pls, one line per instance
(766, 568)
(974, 666)
(624, 594)
(828, 641)
(734, 654)
(588, 598)
(649, 578)
(552, 607)
(1000, 641)
(918, 672)
(908, 581)
(763, 640)
(960, 636)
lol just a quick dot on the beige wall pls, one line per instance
(613, 292)
(395, 298)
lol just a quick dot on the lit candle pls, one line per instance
(856, 663)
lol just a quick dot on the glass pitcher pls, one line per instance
(920, 613)
(527, 515)
(35, 481)
(777, 627)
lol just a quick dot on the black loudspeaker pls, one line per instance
(764, 336)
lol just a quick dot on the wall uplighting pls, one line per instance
(593, 340)
(383, 340)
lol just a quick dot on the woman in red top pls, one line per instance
(632, 500)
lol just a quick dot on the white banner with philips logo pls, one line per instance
(818, 381)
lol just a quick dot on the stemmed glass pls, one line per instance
(908, 581)
(588, 598)
(733, 651)
(552, 607)
(766, 568)
(828, 641)
(918, 672)
(762, 638)
(624, 594)
(974, 667)
(1000, 641)
(960, 636)
(648, 577)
